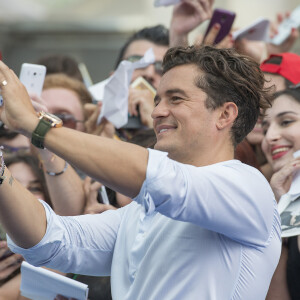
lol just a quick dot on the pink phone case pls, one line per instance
(223, 17)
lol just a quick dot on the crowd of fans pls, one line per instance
(269, 147)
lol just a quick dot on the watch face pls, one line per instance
(53, 119)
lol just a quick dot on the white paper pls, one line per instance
(257, 31)
(158, 3)
(42, 284)
(116, 89)
(97, 90)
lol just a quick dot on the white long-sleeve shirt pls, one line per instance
(206, 233)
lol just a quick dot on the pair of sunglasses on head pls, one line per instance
(157, 64)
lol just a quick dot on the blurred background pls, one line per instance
(92, 31)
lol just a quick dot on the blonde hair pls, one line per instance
(60, 80)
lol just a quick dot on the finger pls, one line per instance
(91, 122)
(227, 42)
(212, 34)
(92, 197)
(280, 17)
(207, 6)
(3, 244)
(89, 108)
(133, 106)
(8, 271)
(5, 71)
(38, 106)
(11, 260)
(86, 184)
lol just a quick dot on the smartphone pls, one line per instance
(284, 29)
(33, 76)
(134, 122)
(102, 195)
(223, 17)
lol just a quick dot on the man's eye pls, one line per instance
(176, 98)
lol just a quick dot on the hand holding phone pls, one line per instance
(33, 76)
(225, 20)
(284, 29)
(140, 102)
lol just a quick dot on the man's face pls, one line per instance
(184, 127)
(139, 48)
(65, 102)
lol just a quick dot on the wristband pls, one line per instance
(59, 173)
(2, 177)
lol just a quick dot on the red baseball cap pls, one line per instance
(286, 65)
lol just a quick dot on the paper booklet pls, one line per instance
(289, 207)
(42, 284)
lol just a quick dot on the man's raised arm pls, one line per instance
(116, 164)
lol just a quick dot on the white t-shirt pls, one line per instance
(194, 233)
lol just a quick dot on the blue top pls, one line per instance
(209, 232)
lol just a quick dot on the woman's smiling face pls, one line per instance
(281, 127)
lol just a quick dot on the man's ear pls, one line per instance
(228, 113)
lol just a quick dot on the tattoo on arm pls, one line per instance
(11, 180)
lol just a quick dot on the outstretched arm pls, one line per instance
(116, 164)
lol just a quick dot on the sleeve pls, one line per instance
(229, 198)
(81, 244)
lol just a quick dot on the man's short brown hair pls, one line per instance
(226, 76)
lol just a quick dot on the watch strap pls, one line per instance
(38, 135)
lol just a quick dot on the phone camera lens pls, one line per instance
(34, 73)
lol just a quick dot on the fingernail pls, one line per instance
(217, 26)
(293, 29)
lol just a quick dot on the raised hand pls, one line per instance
(281, 180)
(9, 262)
(187, 15)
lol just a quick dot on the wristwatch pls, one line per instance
(47, 121)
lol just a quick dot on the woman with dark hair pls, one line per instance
(281, 126)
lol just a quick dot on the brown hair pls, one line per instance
(227, 77)
(60, 80)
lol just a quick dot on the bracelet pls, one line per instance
(59, 173)
(2, 177)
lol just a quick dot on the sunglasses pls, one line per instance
(157, 64)
(69, 120)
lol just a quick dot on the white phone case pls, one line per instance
(33, 76)
(284, 29)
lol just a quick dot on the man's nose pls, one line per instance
(160, 110)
